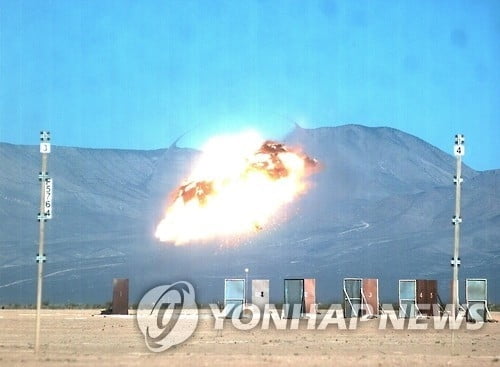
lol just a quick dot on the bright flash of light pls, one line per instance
(238, 184)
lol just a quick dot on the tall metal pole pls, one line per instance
(459, 151)
(45, 213)
(246, 285)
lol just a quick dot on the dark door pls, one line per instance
(427, 296)
(294, 298)
(352, 297)
(120, 296)
(432, 299)
(422, 295)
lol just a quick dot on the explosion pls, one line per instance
(238, 184)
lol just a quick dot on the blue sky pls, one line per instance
(138, 74)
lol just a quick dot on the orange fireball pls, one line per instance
(238, 184)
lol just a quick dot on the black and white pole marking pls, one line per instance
(459, 151)
(46, 194)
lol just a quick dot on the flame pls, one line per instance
(238, 184)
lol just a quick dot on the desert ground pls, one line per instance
(84, 337)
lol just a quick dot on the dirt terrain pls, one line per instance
(83, 337)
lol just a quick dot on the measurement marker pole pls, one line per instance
(45, 213)
(459, 151)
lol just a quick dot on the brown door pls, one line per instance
(432, 294)
(370, 293)
(422, 296)
(120, 296)
(426, 296)
(310, 295)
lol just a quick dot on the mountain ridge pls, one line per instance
(380, 207)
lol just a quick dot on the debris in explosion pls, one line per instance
(200, 190)
(239, 183)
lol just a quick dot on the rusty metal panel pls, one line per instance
(370, 295)
(260, 293)
(119, 305)
(310, 295)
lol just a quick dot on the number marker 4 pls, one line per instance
(459, 150)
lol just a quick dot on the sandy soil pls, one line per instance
(83, 337)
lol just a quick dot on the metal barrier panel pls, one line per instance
(352, 297)
(477, 311)
(119, 306)
(407, 309)
(310, 295)
(407, 298)
(370, 292)
(260, 293)
(235, 308)
(293, 306)
(476, 289)
(235, 289)
(476, 294)
(234, 295)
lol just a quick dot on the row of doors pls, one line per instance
(360, 297)
(418, 296)
(299, 295)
